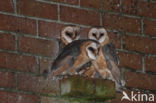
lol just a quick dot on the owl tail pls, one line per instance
(116, 76)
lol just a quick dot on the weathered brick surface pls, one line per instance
(122, 23)
(140, 8)
(18, 62)
(17, 24)
(38, 46)
(11, 97)
(32, 27)
(150, 64)
(84, 33)
(79, 16)
(37, 9)
(73, 2)
(38, 84)
(115, 38)
(140, 44)
(139, 80)
(45, 65)
(6, 5)
(48, 29)
(109, 5)
(7, 41)
(53, 100)
(7, 79)
(129, 60)
(150, 27)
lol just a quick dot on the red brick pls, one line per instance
(37, 9)
(38, 84)
(108, 5)
(38, 46)
(11, 97)
(132, 61)
(7, 41)
(7, 80)
(139, 80)
(54, 100)
(122, 23)
(6, 5)
(140, 8)
(18, 62)
(150, 63)
(150, 27)
(73, 2)
(17, 24)
(79, 16)
(140, 44)
(45, 65)
(48, 29)
(115, 38)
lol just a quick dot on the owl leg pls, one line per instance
(79, 62)
(58, 71)
(103, 71)
(89, 71)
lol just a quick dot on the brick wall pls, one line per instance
(28, 43)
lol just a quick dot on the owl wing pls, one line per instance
(60, 45)
(112, 61)
(109, 49)
(60, 67)
(66, 58)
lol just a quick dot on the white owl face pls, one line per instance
(93, 50)
(69, 34)
(98, 34)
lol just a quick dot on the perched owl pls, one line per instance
(69, 34)
(107, 61)
(74, 56)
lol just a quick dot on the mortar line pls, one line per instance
(121, 41)
(62, 22)
(16, 43)
(101, 20)
(39, 99)
(27, 35)
(25, 54)
(121, 5)
(15, 6)
(37, 29)
(44, 19)
(18, 71)
(142, 26)
(38, 63)
(79, 3)
(143, 64)
(16, 80)
(59, 12)
(93, 9)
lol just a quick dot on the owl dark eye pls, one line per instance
(102, 34)
(94, 34)
(69, 34)
(91, 49)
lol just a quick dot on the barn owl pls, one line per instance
(107, 61)
(74, 56)
(69, 34)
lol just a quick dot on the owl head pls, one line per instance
(92, 50)
(69, 34)
(99, 34)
